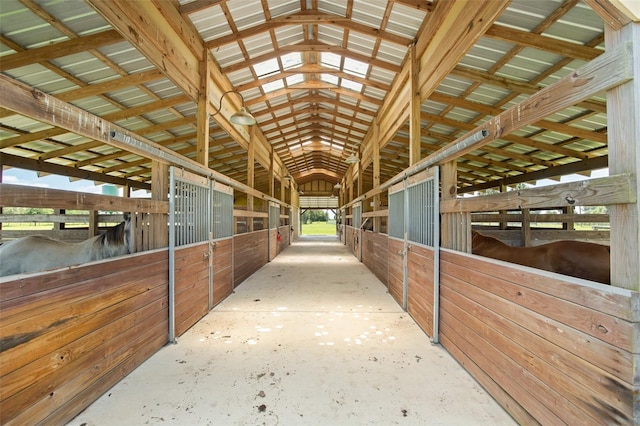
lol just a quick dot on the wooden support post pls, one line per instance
(272, 173)
(455, 227)
(504, 224)
(251, 163)
(281, 198)
(159, 189)
(569, 224)
(623, 118)
(414, 107)
(93, 223)
(376, 175)
(359, 185)
(57, 226)
(350, 184)
(526, 228)
(202, 151)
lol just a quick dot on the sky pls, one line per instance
(29, 178)
(574, 178)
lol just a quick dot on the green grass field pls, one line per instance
(319, 228)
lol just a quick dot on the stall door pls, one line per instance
(190, 248)
(414, 235)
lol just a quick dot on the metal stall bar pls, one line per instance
(274, 222)
(405, 248)
(357, 226)
(172, 246)
(211, 228)
(435, 220)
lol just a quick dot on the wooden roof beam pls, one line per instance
(308, 46)
(516, 86)
(312, 69)
(57, 50)
(540, 42)
(308, 17)
(616, 13)
(313, 85)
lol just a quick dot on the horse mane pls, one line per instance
(115, 238)
(112, 235)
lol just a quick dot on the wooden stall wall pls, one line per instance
(420, 286)
(352, 240)
(191, 285)
(67, 336)
(273, 243)
(285, 238)
(551, 349)
(396, 270)
(349, 241)
(222, 270)
(249, 254)
(375, 255)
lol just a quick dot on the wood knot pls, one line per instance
(37, 94)
(602, 329)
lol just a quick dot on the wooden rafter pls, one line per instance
(313, 109)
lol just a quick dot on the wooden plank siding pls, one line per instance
(191, 285)
(420, 287)
(396, 270)
(273, 243)
(548, 348)
(285, 238)
(348, 238)
(352, 236)
(249, 254)
(375, 255)
(67, 336)
(222, 270)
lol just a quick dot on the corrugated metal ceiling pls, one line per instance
(341, 73)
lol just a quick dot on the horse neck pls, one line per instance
(492, 247)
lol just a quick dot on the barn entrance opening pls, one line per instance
(318, 215)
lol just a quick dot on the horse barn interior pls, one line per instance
(419, 120)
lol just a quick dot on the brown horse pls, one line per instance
(575, 258)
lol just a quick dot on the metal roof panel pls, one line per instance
(246, 13)
(337, 7)
(404, 20)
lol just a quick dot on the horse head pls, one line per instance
(115, 241)
(476, 239)
(480, 243)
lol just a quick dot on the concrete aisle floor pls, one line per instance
(312, 338)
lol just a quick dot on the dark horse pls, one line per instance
(575, 258)
(39, 253)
